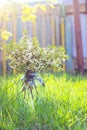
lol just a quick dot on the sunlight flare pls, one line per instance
(3, 2)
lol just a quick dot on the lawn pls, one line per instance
(61, 105)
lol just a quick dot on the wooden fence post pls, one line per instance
(78, 36)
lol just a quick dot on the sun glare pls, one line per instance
(3, 2)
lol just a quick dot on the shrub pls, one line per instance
(27, 54)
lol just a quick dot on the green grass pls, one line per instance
(61, 105)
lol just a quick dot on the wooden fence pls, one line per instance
(53, 27)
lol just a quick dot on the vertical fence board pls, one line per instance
(84, 33)
(48, 31)
(0, 68)
(68, 28)
(57, 31)
(14, 27)
(3, 42)
(63, 36)
(0, 59)
(43, 31)
(63, 32)
(24, 28)
(18, 29)
(39, 29)
(79, 49)
(34, 33)
(14, 30)
(53, 29)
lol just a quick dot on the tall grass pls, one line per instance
(61, 105)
